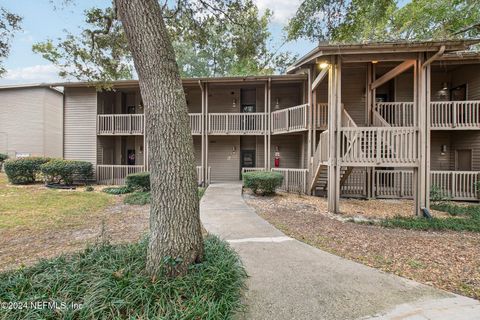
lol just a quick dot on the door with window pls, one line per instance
(463, 160)
(247, 159)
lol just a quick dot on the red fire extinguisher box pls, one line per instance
(277, 162)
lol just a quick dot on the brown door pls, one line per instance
(463, 161)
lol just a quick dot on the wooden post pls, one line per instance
(205, 169)
(309, 126)
(334, 122)
(421, 75)
(202, 129)
(269, 109)
(265, 139)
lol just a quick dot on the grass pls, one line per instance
(36, 207)
(109, 282)
(462, 218)
(143, 198)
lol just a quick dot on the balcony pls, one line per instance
(236, 123)
(120, 124)
(460, 115)
(292, 119)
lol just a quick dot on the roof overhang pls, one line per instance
(194, 81)
(375, 48)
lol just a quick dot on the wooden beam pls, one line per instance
(434, 57)
(401, 68)
(319, 78)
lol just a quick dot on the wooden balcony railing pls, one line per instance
(393, 183)
(196, 122)
(290, 119)
(236, 123)
(397, 114)
(321, 115)
(115, 174)
(455, 114)
(120, 124)
(379, 146)
(294, 180)
(458, 185)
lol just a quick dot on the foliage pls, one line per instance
(137, 198)
(65, 171)
(380, 20)
(265, 181)
(3, 157)
(89, 189)
(211, 38)
(138, 181)
(117, 190)
(24, 170)
(464, 218)
(9, 24)
(436, 194)
(110, 282)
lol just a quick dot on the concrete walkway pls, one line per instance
(291, 280)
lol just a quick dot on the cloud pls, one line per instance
(31, 74)
(282, 9)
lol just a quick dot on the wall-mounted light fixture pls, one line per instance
(444, 85)
(323, 64)
(374, 61)
(234, 149)
(443, 149)
(277, 103)
(234, 103)
(277, 148)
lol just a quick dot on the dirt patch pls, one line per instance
(447, 260)
(118, 223)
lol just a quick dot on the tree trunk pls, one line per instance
(175, 229)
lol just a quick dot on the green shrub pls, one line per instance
(117, 190)
(111, 283)
(137, 198)
(138, 181)
(89, 189)
(66, 171)
(24, 170)
(264, 181)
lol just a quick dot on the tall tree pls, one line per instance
(175, 230)
(9, 24)
(210, 38)
(374, 20)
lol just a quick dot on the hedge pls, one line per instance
(138, 181)
(66, 171)
(265, 181)
(24, 170)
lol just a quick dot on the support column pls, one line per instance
(269, 137)
(203, 129)
(309, 127)
(265, 139)
(422, 76)
(334, 118)
(205, 169)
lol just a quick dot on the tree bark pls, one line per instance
(175, 230)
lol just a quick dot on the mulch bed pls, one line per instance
(447, 260)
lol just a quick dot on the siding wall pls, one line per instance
(225, 163)
(80, 118)
(197, 149)
(466, 140)
(437, 160)
(220, 98)
(289, 95)
(353, 92)
(31, 122)
(290, 148)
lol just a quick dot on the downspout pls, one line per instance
(434, 57)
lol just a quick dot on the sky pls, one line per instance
(42, 21)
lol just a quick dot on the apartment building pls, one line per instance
(31, 120)
(386, 120)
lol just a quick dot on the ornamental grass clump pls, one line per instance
(262, 182)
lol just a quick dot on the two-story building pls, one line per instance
(365, 120)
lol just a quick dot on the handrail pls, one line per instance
(236, 123)
(290, 119)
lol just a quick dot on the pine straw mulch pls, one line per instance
(447, 260)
